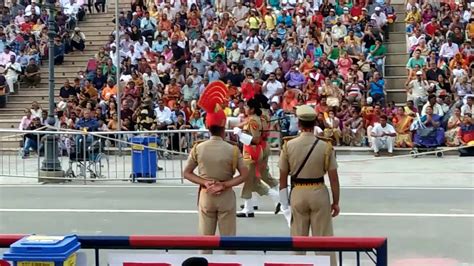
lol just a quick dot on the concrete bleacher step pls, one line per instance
(396, 58)
(395, 70)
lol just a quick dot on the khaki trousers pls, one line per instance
(253, 183)
(217, 211)
(311, 209)
(265, 173)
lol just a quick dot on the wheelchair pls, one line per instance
(87, 160)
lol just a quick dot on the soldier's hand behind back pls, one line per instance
(335, 210)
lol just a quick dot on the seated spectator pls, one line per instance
(59, 51)
(353, 130)
(12, 72)
(332, 130)
(377, 54)
(32, 75)
(452, 130)
(430, 133)
(468, 107)
(163, 115)
(78, 40)
(402, 123)
(466, 131)
(432, 101)
(377, 89)
(418, 90)
(87, 94)
(179, 141)
(145, 122)
(108, 92)
(67, 91)
(26, 120)
(32, 141)
(383, 135)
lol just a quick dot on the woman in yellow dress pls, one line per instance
(402, 123)
(452, 130)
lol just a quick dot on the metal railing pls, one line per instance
(101, 156)
(374, 247)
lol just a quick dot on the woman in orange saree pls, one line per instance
(402, 123)
(172, 93)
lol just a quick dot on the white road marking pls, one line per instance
(195, 187)
(380, 214)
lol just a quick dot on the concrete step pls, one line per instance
(17, 115)
(395, 36)
(395, 81)
(399, 8)
(63, 69)
(397, 26)
(24, 104)
(398, 96)
(9, 123)
(28, 98)
(395, 70)
(13, 110)
(397, 47)
(396, 58)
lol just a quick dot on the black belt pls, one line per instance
(307, 181)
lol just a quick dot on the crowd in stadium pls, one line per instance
(328, 54)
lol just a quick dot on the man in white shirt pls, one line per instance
(338, 31)
(448, 50)
(133, 54)
(272, 88)
(6, 56)
(71, 9)
(163, 115)
(32, 10)
(269, 66)
(380, 20)
(468, 107)
(418, 90)
(383, 135)
(12, 71)
(240, 13)
(437, 108)
(141, 45)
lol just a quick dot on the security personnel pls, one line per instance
(307, 158)
(217, 161)
(254, 158)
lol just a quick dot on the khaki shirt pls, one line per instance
(294, 151)
(216, 159)
(254, 126)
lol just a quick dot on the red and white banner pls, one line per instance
(120, 259)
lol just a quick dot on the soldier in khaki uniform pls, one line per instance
(254, 158)
(217, 161)
(311, 207)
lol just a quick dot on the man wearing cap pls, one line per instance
(307, 159)
(380, 20)
(418, 90)
(216, 198)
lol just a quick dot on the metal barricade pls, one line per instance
(100, 156)
(374, 247)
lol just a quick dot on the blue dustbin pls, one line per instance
(44, 250)
(144, 159)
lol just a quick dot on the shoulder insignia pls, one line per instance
(197, 142)
(324, 139)
(253, 124)
(288, 138)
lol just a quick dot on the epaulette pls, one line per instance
(197, 142)
(288, 138)
(325, 139)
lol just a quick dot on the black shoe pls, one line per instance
(160, 168)
(255, 208)
(245, 215)
(277, 208)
